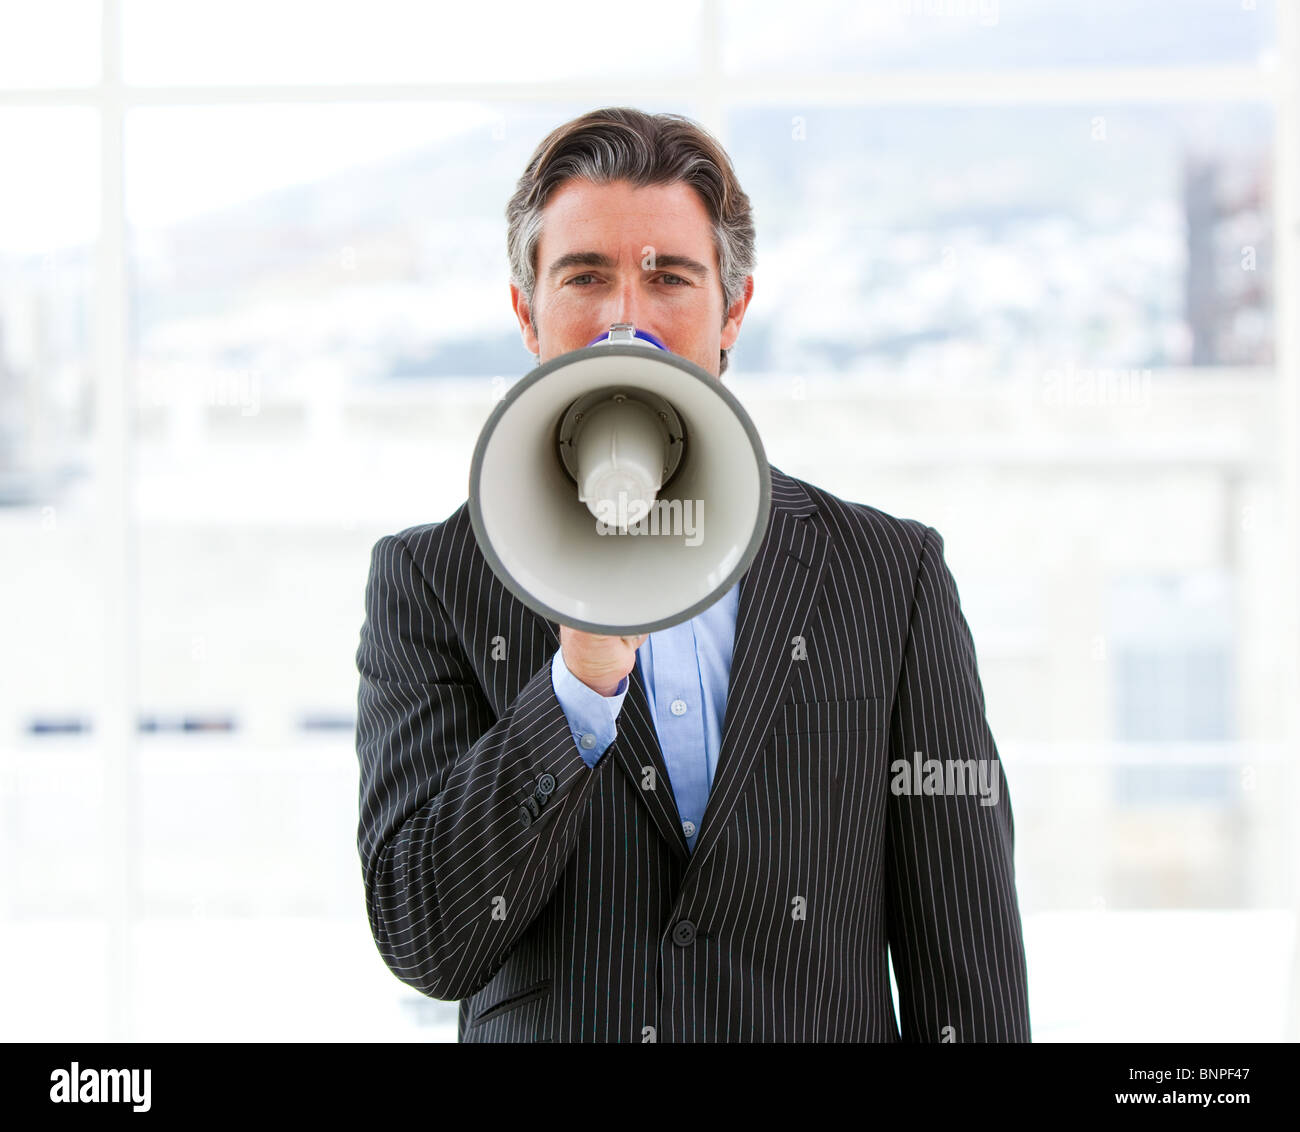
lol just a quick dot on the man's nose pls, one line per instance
(626, 303)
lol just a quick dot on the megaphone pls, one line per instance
(619, 488)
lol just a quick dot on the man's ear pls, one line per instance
(525, 317)
(735, 315)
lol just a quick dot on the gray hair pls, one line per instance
(618, 143)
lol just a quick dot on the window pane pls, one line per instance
(1174, 641)
(999, 242)
(844, 36)
(48, 227)
(51, 590)
(401, 41)
(49, 44)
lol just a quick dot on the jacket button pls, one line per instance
(546, 785)
(683, 933)
(525, 816)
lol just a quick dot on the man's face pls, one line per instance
(621, 253)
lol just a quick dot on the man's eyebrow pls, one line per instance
(578, 259)
(694, 266)
(598, 259)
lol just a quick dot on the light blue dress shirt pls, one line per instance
(685, 670)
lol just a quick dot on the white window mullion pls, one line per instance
(115, 720)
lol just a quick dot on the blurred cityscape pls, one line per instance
(962, 245)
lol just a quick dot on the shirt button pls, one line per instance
(588, 741)
(688, 828)
(677, 707)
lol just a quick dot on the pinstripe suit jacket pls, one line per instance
(559, 903)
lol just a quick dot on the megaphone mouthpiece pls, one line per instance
(621, 452)
(625, 333)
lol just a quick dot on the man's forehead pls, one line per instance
(613, 220)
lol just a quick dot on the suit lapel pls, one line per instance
(777, 596)
(638, 751)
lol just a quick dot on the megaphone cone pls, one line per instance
(619, 488)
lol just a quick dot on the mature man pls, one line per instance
(721, 831)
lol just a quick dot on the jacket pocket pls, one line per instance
(822, 716)
(512, 1002)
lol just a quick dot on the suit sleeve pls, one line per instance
(954, 919)
(466, 821)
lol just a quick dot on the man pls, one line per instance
(722, 831)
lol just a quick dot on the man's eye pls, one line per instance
(677, 277)
(588, 275)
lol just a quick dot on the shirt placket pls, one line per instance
(679, 720)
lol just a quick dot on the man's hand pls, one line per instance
(598, 661)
